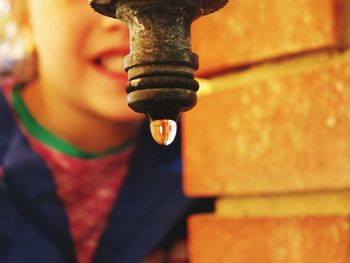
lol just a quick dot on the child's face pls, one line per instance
(81, 56)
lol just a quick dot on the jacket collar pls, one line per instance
(30, 184)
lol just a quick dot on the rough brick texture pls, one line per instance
(270, 134)
(263, 240)
(246, 31)
(275, 134)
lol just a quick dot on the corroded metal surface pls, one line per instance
(109, 7)
(160, 65)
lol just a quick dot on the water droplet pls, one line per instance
(163, 131)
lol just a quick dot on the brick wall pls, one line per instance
(270, 134)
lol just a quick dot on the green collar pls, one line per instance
(42, 134)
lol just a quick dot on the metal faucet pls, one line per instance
(160, 65)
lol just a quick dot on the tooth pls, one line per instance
(113, 64)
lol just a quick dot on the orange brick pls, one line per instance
(282, 133)
(246, 31)
(269, 240)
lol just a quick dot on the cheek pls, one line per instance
(80, 21)
(61, 36)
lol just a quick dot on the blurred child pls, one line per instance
(81, 179)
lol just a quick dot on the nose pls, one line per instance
(111, 24)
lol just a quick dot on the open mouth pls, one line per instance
(111, 63)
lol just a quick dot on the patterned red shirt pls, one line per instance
(88, 189)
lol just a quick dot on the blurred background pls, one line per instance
(16, 48)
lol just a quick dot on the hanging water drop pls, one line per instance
(163, 131)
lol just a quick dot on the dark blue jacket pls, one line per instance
(33, 223)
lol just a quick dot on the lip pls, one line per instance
(112, 52)
(119, 76)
